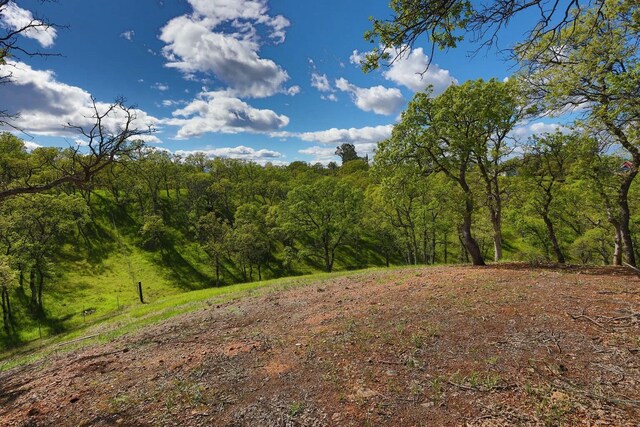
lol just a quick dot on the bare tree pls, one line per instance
(111, 136)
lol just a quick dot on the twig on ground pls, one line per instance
(595, 322)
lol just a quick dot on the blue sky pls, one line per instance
(264, 80)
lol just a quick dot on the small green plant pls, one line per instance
(417, 340)
(492, 361)
(295, 409)
(436, 388)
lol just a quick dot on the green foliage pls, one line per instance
(323, 215)
(153, 233)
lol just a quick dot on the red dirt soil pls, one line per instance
(495, 346)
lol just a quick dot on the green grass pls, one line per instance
(136, 316)
(94, 277)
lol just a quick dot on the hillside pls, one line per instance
(496, 346)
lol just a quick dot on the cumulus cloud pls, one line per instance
(525, 131)
(378, 99)
(44, 105)
(410, 70)
(221, 38)
(15, 18)
(220, 112)
(249, 12)
(241, 152)
(366, 135)
(30, 145)
(320, 82)
(357, 58)
(322, 155)
(128, 35)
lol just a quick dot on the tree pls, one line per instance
(547, 164)
(445, 23)
(322, 215)
(251, 239)
(214, 235)
(347, 152)
(595, 65)
(33, 229)
(605, 177)
(7, 277)
(464, 128)
(503, 108)
(106, 143)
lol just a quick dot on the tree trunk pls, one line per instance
(554, 241)
(217, 271)
(617, 245)
(40, 287)
(625, 219)
(328, 265)
(5, 310)
(446, 247)
(33, 288)
(496, 222)
(468, 241)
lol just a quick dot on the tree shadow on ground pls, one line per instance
(567, 268)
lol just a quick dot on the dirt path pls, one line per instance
(494, 346)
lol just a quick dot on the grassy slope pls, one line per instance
(99, 329)
(94, 278)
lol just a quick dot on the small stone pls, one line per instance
(559, 396)
(428, 405)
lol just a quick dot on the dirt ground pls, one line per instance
(496, 346)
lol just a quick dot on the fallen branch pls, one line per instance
(595, 322)
(386, 362)
(635, 269)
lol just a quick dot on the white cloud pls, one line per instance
(45, 106)
(378, 99)
(334, 136)
(261, 156)
(221, 38)
(219, 112)
(538, 128)
(410, 70)
(15, 18)
(129, 34)
(331, 97)
(294, 90)
(30, 146)
(160, 86)
(356, 57)
(322, 155)
(320, 82)
(249, 12)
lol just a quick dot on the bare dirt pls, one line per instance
(495, 346)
